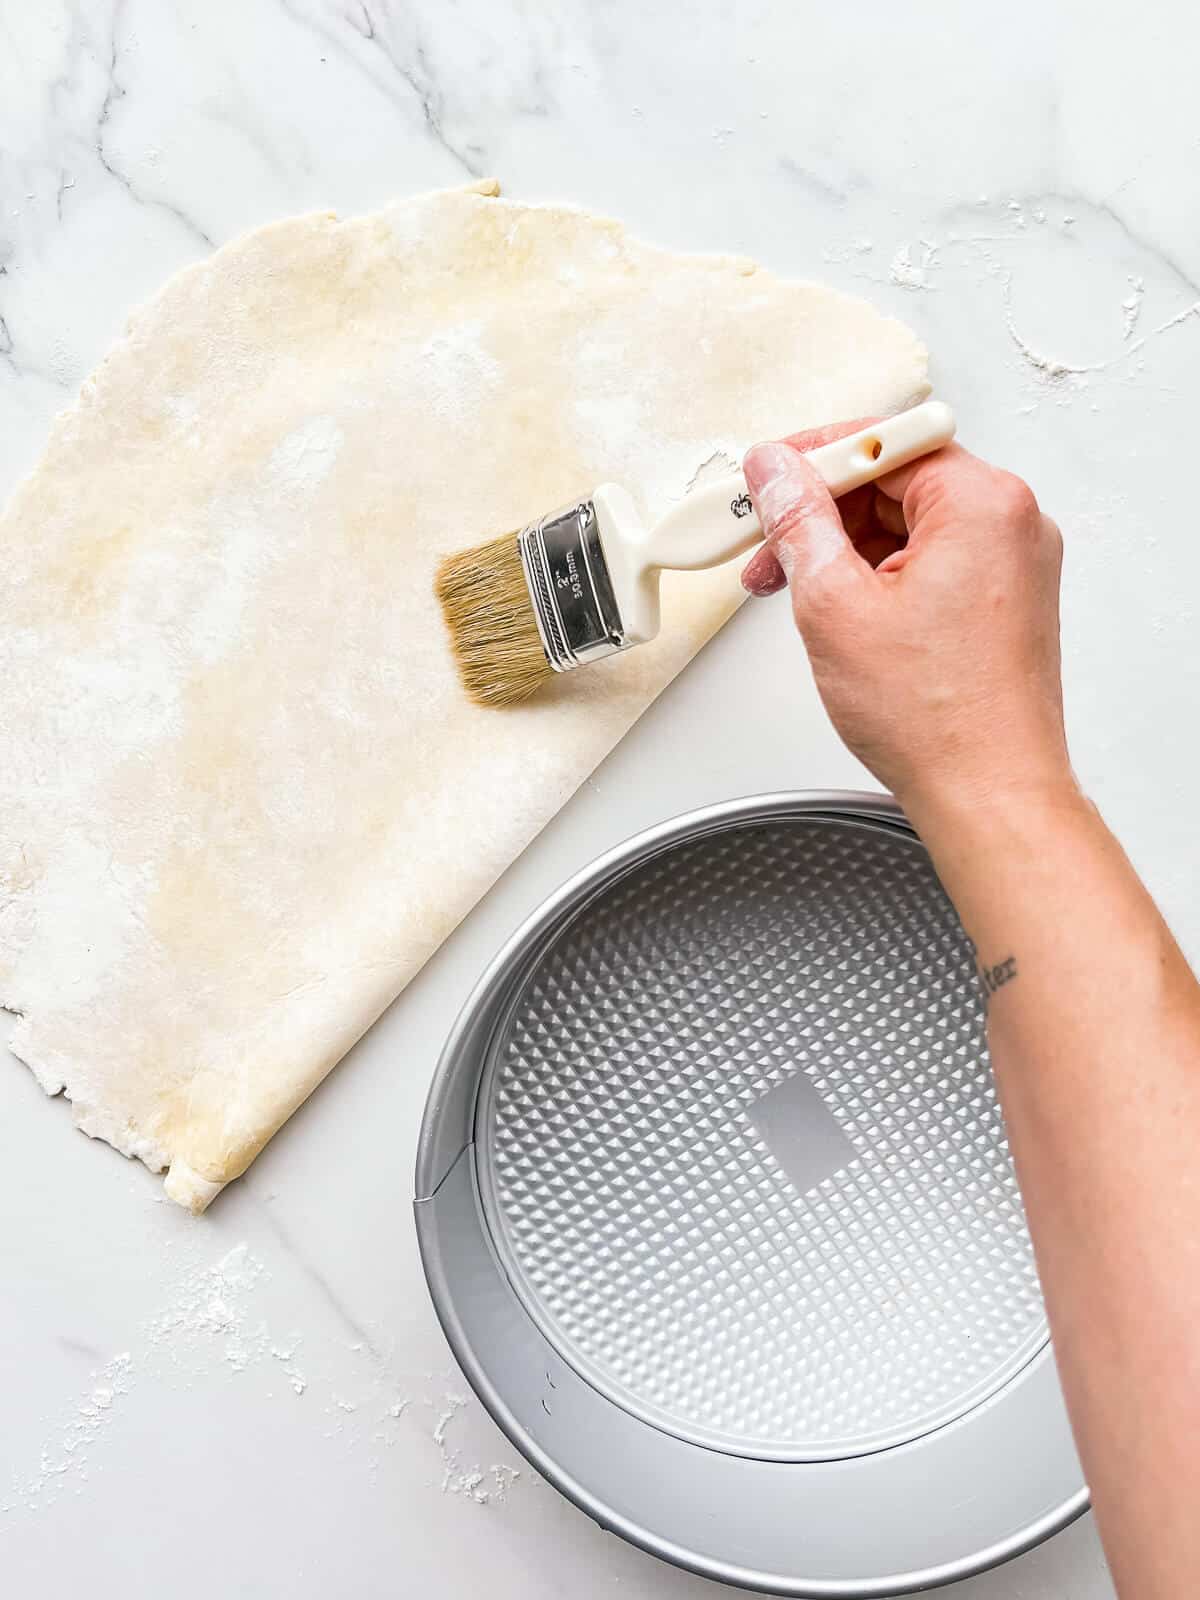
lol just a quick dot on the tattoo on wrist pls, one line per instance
(995, 977)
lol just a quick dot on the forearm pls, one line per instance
(1094, 1028)
(930, 614)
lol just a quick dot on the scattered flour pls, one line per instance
(67, 1459)
(1018, 213)
(1131, 306)
(1049, 366)
(910, 273)
(1185, 315)
(454, 371)
(454, 1404)
(210, 1327)
(1067, 380)
(228, 570)
(720, 464)
(211, 1306)
(482, 1485)
(304, 458)
(290, 1370)
(484, 1488)
(1055, 370)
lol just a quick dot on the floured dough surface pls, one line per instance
(242, 796)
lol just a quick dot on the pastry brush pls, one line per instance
(582, 582)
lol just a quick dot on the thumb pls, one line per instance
(801, 522)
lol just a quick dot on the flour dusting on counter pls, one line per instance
(909, 273)
(1131, 306)
(68, 1457)
(212, 1305)
(481, 1485)
(213, 1329)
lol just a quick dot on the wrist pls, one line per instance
(1002, 854)
(961, 819)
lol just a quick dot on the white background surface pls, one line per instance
(1019, 185)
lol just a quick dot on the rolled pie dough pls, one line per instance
(242, 796)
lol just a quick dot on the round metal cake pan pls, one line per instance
(717, 1212)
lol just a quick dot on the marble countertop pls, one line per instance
(260, 1402)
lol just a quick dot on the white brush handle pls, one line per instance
(717, 522)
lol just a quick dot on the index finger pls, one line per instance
(763, 574)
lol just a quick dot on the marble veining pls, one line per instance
(114, 93)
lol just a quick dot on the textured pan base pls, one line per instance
(741, 1153)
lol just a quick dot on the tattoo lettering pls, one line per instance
(993, 978)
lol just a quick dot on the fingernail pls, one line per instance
(762, 584)
(759, 588)
(775, 478)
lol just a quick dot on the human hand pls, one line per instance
(929, 607)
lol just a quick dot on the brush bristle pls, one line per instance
(485, 601)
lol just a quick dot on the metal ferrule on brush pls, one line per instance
(569, 587)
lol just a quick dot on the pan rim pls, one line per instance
(434, 1167)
